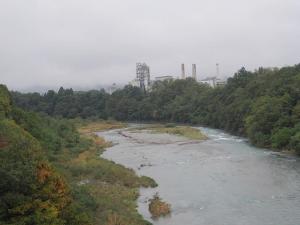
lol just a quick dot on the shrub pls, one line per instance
(281, 138)
(170, 125)
(158, 208)
(295, 142)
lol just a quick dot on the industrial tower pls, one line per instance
(217, 69)
(182, 71)
(194, 72)
(143, 75)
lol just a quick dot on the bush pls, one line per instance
(281, 138)
(170, 125)
(295, 142)
(159, 208)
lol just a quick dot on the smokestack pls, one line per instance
(194, 73)
(182, 71)
(217, 69)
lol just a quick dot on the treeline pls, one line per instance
(65, 103)
(263, 105)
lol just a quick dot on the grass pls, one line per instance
(89, 127)
(185, 131)
(110, 190)
(159, 208)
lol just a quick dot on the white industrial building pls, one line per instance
(210, 81)
(162, 78)
(213, 82)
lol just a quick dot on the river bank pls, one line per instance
(100, 176)
(113, 187)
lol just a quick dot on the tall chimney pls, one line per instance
(218, 69)
(182, 71)
(194, 73)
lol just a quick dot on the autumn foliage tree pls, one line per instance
(31, 190)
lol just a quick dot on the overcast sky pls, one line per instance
(97, 42)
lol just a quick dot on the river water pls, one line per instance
(221, 181)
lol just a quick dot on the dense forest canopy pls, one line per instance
(32, 191)
(263, 105)
(43, 161)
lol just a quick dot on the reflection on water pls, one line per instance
(221, 181)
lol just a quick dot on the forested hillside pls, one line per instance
(263, 105)
(52, 175)
(32, 191)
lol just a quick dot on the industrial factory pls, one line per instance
(144, 81)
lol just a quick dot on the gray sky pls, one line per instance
(97, 42)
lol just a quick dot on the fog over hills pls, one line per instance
(43, 89)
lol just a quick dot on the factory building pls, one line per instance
(213, 82)
(210, 81)
(162, 78)
(143, 80)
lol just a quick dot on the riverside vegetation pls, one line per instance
(170, 128)
(188, 132)
(263, 105)
(53, 174)
(158, 208)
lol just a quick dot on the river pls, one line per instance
(221, 181)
